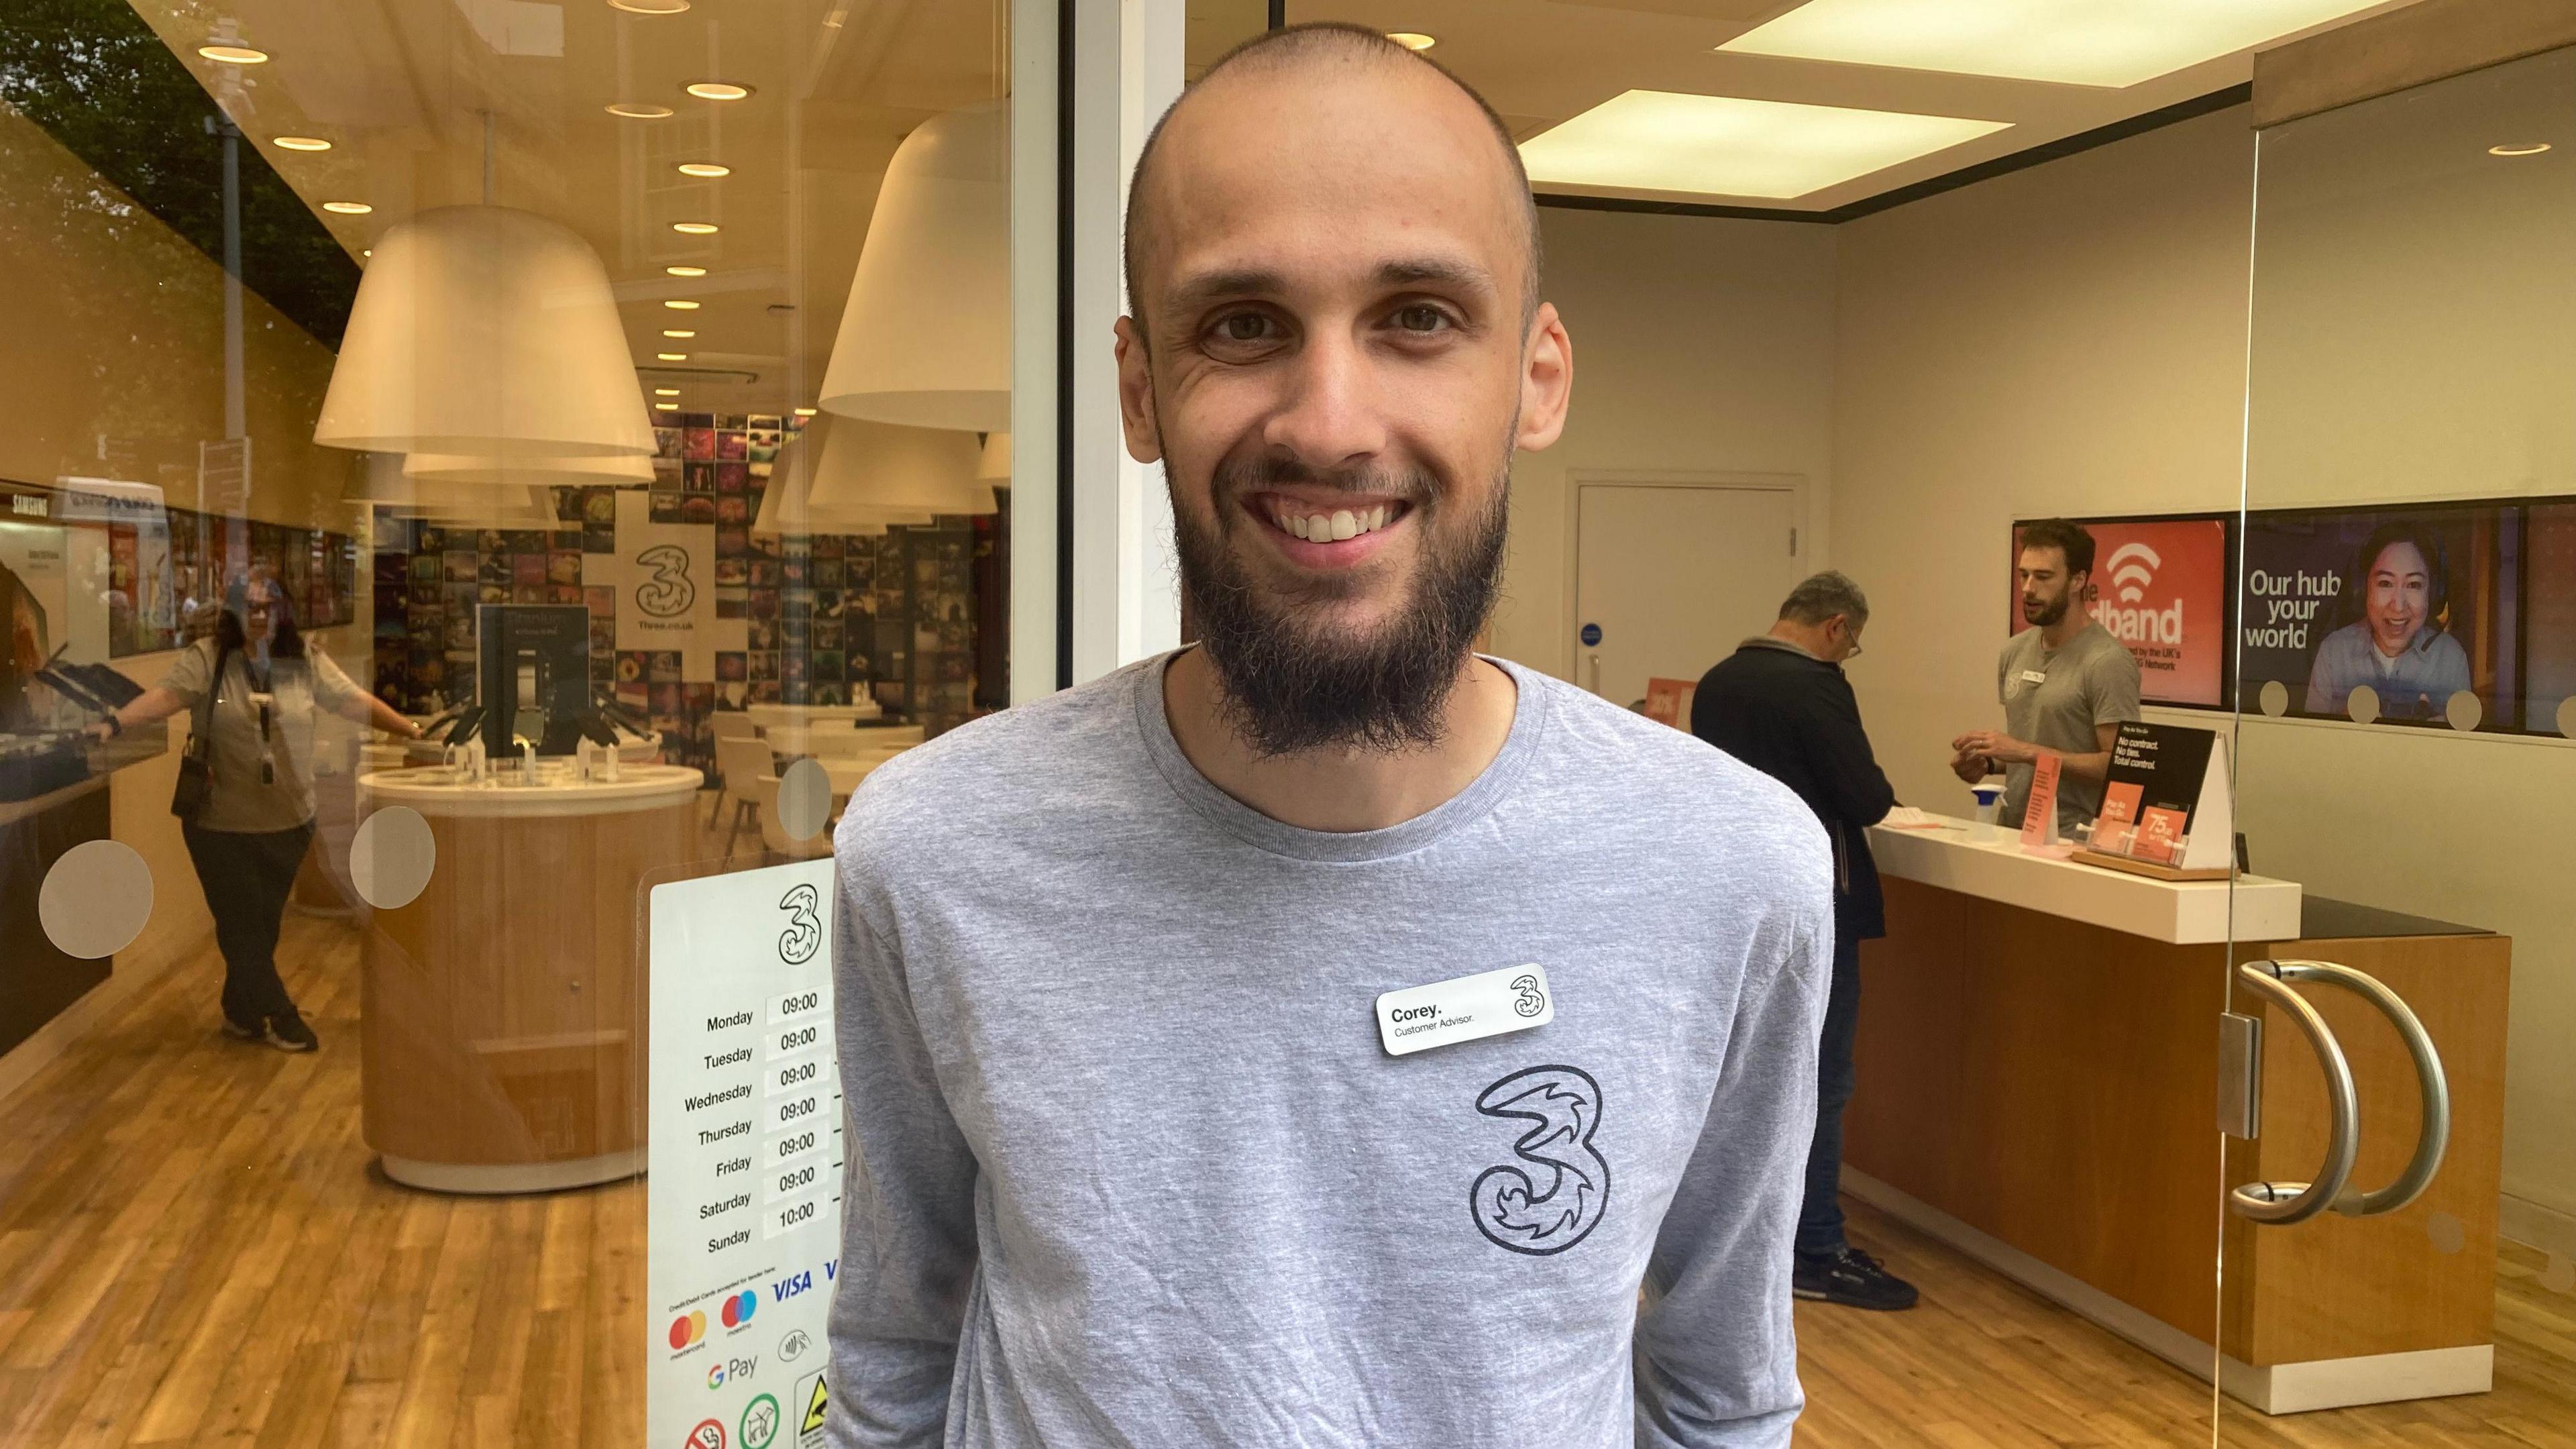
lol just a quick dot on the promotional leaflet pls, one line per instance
(743, 1206)
(2165, 801)
(2039, 821)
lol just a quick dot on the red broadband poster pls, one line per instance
(2160, 587)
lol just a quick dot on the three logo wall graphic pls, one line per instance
(670, 591)
(2132, 567)
(1562, 1203)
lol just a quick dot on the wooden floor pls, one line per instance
(195, 1249)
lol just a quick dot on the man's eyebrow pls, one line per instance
(1209, 287)
(1436, 271)
(1230, 282)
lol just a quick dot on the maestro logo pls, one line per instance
(670, 591)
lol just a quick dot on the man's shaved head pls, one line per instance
(1332, 246)
(1320, 48)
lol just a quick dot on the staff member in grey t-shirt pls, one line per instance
(2064, 682)
(249, 838)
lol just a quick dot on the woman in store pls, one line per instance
(249, 836)
(2401, 646)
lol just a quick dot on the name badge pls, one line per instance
(1468, 1008)
(2033, 676)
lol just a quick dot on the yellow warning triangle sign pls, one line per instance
(815, 1405)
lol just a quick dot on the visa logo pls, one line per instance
(792, 1285)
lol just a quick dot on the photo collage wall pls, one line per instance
(825, 619)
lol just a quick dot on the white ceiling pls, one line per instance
(1543, 62)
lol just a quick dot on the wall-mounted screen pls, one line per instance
(2460, 615)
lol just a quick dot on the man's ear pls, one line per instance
(1547, 379)
(1136, 394)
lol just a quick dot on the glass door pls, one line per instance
(2399, 1229)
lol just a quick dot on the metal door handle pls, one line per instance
(1596, 674)
(2296, 1202)
(2287, 1202)
(2433, 1137)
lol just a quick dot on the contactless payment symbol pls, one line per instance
(708, 1435)
(760, 1422)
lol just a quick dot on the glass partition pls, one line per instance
(486, 482)
(2398, 1239)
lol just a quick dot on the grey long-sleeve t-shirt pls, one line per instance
(1129, 1165)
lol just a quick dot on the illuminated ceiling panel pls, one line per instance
(1729, 146)
(2075, 42)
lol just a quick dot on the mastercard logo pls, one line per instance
(688, 1328)
(739, 1308)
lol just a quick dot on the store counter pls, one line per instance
(503, 1008)
(46, 819)
(2038, 1086)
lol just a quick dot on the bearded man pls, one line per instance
(1317, 1036)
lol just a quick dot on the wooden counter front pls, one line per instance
(503, 1008)
(2042, 1093)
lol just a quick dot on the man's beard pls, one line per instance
(2047, 613)
(1287, 688)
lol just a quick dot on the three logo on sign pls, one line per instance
(670, 591)
(804, 934)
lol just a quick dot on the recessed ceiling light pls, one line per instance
(2074, 42)
(1411, 39)
(649, 7)
(704, 168)
(666, 392)
(1729, 146)
(348, 208)
(686, 271)
(225, 53)
(679, 332)
(366, 251)
(2526, 148)
(301, 143)
(695, 228)
(638, 110)
(718, 90)
(671, 356)
(680, 304)
(668, 407)
(805, 412)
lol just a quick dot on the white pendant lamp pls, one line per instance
(606, 470)
(488, 507)
(787, 505)
(994, 466)
(489, 331)
(878, 465)
(925, 340)
(379, 480)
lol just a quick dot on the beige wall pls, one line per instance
(1700, 346)
(2065, 339)
(2072, 338)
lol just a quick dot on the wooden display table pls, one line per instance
(799, 716)
(2038, 1086)
(503, 1009)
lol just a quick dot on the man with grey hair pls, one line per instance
(1780, 703)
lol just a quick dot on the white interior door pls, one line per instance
(1670, 577)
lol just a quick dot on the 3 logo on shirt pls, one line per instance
(1552, 1211)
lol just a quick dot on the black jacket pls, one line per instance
(1792, 716)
